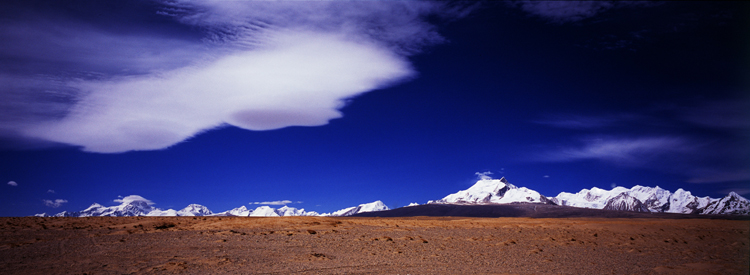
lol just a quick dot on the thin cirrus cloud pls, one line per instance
(719, 175)
(587, 122)
(704, 141)
(722, 114)
(54, 204)
(571, 11)
(625, 151)
(258, 66)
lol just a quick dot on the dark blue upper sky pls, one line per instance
(331, 104)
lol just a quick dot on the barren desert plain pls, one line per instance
(366, 245)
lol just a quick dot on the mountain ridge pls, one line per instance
(135, 205)
(486, 191)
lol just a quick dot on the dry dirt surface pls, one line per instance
(413, 245)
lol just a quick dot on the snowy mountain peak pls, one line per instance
(732, 203)
(489, 186)
(373, 206)
(264, 211)
(488, 190)
(287, 211)
(589, 198)
(94, 206)
(241, 211)
(194, 210)
(625, 202)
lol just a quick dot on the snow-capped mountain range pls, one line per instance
(638, 199)
(135, 205)
(485, 191)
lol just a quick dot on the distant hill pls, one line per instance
(531, 210)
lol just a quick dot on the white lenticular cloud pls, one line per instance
(283, 202)
(12, 183)
(260, 66)
(133, 198)
(54, 204)
(299, 80)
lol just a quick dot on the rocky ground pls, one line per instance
(413, 245)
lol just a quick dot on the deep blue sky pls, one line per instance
(330, 105)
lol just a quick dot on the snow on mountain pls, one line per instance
(365, 207)
(190, 210)
(488, 190)
(625, 202)
(638, 199)
(341, 212)
(93, 211)
(684, 202)
(241, 211)
(287, 211)
(135, 205)
(194, 210)
(132, 205)
(63, 214)
(162, 213)
(733, 204)
(654, 199)
(595, 198)
(264, 211)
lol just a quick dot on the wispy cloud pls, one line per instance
(703, 141)
(484, 175)
(719, 175)
(12, 183)
(571, 11)
(259, 66)
(586, 122)
(564, 11)
(54, 204)
(619, 150)
(725, 114)
(282, 202)
(51, 191)
(740, 190)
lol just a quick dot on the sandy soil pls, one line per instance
(415, 245)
